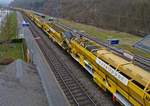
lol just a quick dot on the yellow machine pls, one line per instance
(53, 34)
(62, 37)
(128, 83)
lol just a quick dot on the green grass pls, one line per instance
(11, 51)
(9, 30)
(126, 39)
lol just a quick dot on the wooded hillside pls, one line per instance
(123, 15)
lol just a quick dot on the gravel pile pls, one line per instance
(20, 86)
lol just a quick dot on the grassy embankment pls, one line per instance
(127, 40)
(10, 51)
(9, 30)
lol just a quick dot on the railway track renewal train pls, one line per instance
(129, 84)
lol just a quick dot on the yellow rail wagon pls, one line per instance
(128, 83)
(58, 35)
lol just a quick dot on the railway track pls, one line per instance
(73, 89)
(139, 60)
